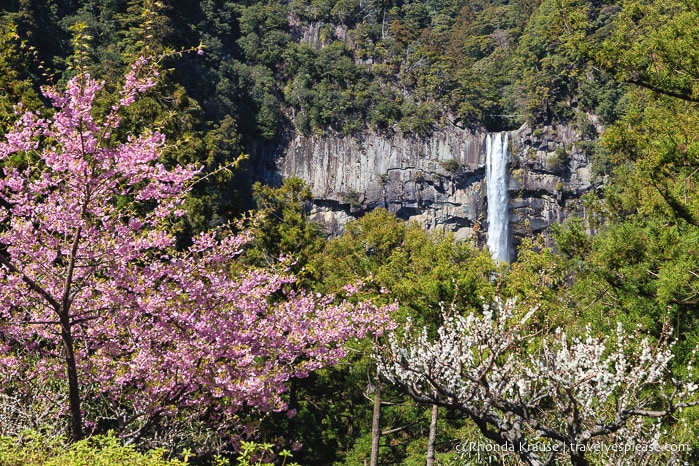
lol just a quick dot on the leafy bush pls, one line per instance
(34, 449)
(452, 166)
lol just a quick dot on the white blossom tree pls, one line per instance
(540, 394)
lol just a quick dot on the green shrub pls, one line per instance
(451, 165)
(560, 157)
(33, 449)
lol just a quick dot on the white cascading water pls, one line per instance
(498, 199)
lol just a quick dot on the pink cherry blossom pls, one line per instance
(93, 293)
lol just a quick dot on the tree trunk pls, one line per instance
(432, 438)
(293, 405)
(376, 425)
(72, 373)
(578, 459)
(67, 336)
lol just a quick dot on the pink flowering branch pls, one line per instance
(94, 294)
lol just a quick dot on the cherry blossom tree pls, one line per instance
(539, 396)
(94, 296)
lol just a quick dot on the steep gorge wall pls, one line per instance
(439, 181)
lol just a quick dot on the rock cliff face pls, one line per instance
(440, 181)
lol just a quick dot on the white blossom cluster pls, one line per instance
(523, 383)
(467, 352)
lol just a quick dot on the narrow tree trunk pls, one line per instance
(578, 459)
(67, 336)
(432, 438)
(376, 425)
(72, 373)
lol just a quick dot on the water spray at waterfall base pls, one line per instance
(497, 179)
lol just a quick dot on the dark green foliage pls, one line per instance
(422, 271)
(451, 165)
(396, 261)
(15, 82)
(341, 65)
(284, 228)
(325, 87)
(263, 32)
(603, 97)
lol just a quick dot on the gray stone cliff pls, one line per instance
(439, 181)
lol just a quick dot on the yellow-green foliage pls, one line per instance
(33, 449)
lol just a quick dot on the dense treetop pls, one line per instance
(345, 66)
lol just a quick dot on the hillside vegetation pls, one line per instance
(619, 291)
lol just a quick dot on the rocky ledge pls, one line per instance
(439, 181)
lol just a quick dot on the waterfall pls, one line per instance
(498, 199)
